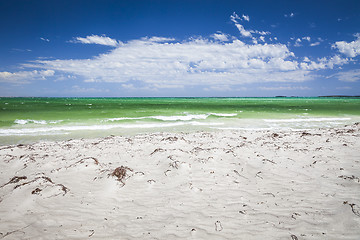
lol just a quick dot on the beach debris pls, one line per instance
(257, 174)
(17, 230)
(293, 237)
(36, 191)
(120, 173)
(174, 164)
(47, 180)
(235, 171)
(269, 193)
(92, 233)
(294, 215)
(352, 177)
(275, 135)
(268, 160)
(170, 139)
(305, 134)
(218, 226)
(15, 179)
(157, 150)
(354, 208)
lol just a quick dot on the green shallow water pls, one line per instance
(33, 119)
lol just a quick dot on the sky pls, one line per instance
(173, 48)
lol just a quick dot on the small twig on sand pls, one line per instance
(18, 230)
(257, 175)
(355, 209)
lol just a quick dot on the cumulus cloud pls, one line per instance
(349, 76)
(307, 41)
(290, 15)
(95, 39)
(220, 36)
(25, 76)
(245, 33)
(192, 62)
(323, 63)
(350, 49)
(160, 62)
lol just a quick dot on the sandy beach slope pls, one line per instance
(203, 185)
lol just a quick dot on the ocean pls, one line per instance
(28, 120)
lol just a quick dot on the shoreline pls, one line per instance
(220, 184)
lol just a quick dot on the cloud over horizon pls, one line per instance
(214, 61)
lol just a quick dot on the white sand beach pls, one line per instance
(202, 185)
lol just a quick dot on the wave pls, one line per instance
(42, 122)
(188, 117)
(224, 114)
(293, 120)
(67, 129)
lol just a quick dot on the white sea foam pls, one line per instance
(181, 118)
(163, 118)
(224, 114)
(244, 128)
(188, 117)
(42, 122)
(66, 129)
(290, 120)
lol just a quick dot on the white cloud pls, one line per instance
(307, 40)
(158, 39)
(344, 88)
(261, 32)
(245, 33)
(78, 89)
(45, 39)
(220, 37)
(287, 88)
(193, 62)
(349, 76)
(289, 15)
(164, 63)
(350, 49)
(25, 76)
(95, 39)
(219, 88)
(245, 17)
(323, 63)
(314, 44)
(297, 43)
(160, 62)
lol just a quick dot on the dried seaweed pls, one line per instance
(15, 179)
(121, 173)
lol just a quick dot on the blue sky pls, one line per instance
(86, 48)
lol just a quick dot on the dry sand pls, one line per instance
(203, 185)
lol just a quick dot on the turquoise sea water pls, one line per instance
(24, 120)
